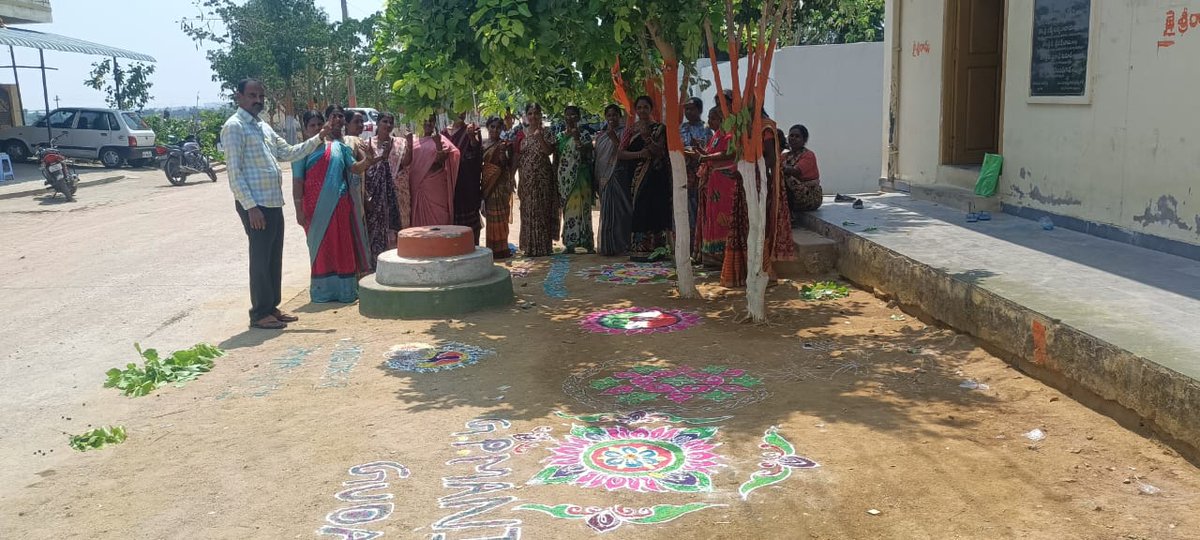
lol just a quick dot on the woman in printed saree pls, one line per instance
(381, 204)
(777, 245)
(538, 189)
(643, 156)
(717, 182)
(575, 187)
(616, 198)
(498, 185)
(467, 192)
(432, 176)
(325, 207)
(800, 173)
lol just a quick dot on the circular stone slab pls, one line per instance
(396, 271)
(435, 241)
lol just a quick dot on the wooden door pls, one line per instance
(973, 80)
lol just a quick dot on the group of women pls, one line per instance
(352, 195)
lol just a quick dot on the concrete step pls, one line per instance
(963, 176)
(815, 254)
(959, 198)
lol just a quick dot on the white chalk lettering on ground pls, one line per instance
(481, 490)
(272, 378)
(367, 497)
(341, 362)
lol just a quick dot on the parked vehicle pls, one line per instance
(58, 171)
(370, 120)
(109, 136)
(180, 160)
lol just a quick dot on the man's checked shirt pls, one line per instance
(251, 151)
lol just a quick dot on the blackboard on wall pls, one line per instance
(1060, 47)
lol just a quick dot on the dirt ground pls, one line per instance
(259, 447)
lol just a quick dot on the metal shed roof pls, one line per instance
(20, 37)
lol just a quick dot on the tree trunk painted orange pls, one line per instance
(672, 116)
(749, 95)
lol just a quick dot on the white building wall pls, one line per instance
(836, 91)
(1128, 158)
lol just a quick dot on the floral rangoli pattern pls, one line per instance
(779, 459)
(666, 388)
(631, 273)
(641, 417)
(628, 321)
(428, 358)
(663, 459)
(606, 519)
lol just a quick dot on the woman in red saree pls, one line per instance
(327, 209)
(717, 184)
(432, 177)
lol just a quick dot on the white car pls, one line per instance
(109, 136)
(370, 119)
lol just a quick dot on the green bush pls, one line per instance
(207, 130)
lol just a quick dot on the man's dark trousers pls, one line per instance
(266, 262)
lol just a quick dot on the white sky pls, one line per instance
(145, 26)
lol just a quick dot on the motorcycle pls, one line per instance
(181, 160)
(58, 171)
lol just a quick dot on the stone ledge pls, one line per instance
(1136, 391)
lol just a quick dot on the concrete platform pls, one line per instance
(815, 254)
(384, 302)
(1116, 326)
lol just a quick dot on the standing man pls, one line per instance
(251, 148)
(695, 139)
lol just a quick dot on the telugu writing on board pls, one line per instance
(1060, 47)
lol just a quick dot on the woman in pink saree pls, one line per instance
(432, 176)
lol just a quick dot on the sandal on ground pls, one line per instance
(285, 317)
(269, 323)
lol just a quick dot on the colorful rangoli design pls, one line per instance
(631, 273)
(532, 439)
(629, 321)
(779, 459)
(607, 519)
(428, 358)
(641, 417)
(672, 389)
(555, 284)
(663, 459)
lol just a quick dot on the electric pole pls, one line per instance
(56, 102)
(352, 94)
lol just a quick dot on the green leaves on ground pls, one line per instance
(824, 290)
(97, 438)
(181, 366)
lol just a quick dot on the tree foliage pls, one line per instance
(125, 87)
(822, 22)
(292, 46)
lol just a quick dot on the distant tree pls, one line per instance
(821, 22)
(125, 87)
(273, 40)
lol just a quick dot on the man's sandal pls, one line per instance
(269, 323)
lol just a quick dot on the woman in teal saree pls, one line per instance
(329, 207)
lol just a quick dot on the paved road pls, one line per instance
(135, 260)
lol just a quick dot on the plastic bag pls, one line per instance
(989, 175)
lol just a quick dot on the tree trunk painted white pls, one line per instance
(683, 231)
(756, 209)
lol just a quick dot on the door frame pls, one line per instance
(949, 17)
